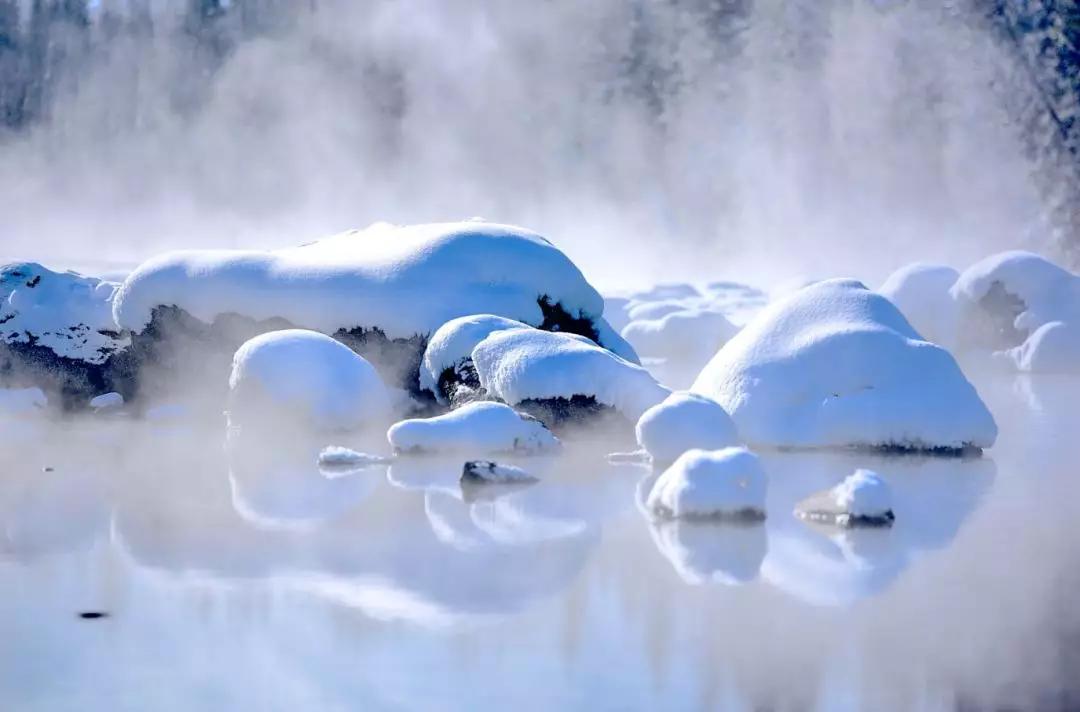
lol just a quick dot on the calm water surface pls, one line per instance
(236, 575)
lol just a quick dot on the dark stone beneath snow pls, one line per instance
(560, 414)
(844, 519)
(68, 382)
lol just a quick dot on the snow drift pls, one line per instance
(684, 421)
(522, 365)
(479, 428)
(836, 365)
(305, 375)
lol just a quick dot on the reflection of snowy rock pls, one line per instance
(477, 428)
(863, 498)
(446, 368)
(549, 374)
(712, 552)
(308, 376)
(830, 566)
(835, 364)
(481, 472)
(921, 292)
(720, 483)
(57, 333)
(684, 421)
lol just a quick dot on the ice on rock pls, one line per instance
(710, 483)
(448, 356)
(863, 498)
(921, 292)
(526, 365)
(478, 428)
(836, 365)
(684, 421)
(684, 335)
(1006, 297)
(17, 402)
(485, 471)
(307, 376)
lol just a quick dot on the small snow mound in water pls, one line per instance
(452, 344)
(63, 311)
(477, 427)
(921, 292)
(107, 401)
(1052, 348)
(701, 483)
(485, 471)
(691, 335)
(684, 421)
(21, 401)
(526, 364)
(335, 456)
(864, 497)
(308, 375)
(836, 365)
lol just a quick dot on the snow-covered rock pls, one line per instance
(18, 402)
(921, 292)
(447, 362)
(710, 483)
(107, 401)
(57, 333)
(1006, 297)
(65, 312)
(686, 335)
(684, 421)
(488, 472)
(525, 365)
(863, 498)
(1054, 347)
(836, 365)
(308, 376)
(478, 428)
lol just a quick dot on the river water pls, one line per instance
(233, 574)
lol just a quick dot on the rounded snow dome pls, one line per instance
(306, 375)
(684, 421)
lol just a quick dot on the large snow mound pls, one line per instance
(684, 421)
(450, 347)
(404, 280)
(836, 365)
(921, 292)
(704, 483)
(479, 428)
(1005, 297)
(526, 364)
(308, 375)
(62, 311)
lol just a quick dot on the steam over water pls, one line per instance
(243, 577)
(646, 138)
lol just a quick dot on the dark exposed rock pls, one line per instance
(71, 382)
(560, 414)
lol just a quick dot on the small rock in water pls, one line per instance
(93, 615)
(106, 401)
(336, 456)
(485, 472)
(862, 499)
(46, 469)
